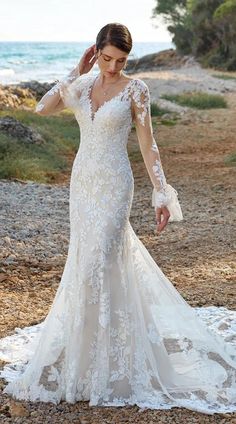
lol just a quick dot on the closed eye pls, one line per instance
(108, 60)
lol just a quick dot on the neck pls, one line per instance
(106, 80)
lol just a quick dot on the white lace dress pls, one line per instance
(118, 332)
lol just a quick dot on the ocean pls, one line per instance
(48, 61)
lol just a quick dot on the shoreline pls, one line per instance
(189, 77)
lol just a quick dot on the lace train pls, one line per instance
(143, 345)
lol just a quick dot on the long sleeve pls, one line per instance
(61, 95)
(163, 194)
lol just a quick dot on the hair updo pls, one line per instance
(116, 35)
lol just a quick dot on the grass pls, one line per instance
(231, 159)
(169, 122)
(157, 111)
(45, 162)
(225, 77)
(197, 100)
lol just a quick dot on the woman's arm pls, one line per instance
(52, 101)
(164, 196)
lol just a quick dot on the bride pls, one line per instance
(118, 332)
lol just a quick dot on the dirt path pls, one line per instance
(196, 254)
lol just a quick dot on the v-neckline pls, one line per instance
(93, 114)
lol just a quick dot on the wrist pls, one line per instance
(74, 73)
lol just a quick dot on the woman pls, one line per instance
(118, 332)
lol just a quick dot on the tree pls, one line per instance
(174, 13)
(225, 18)
(204, 28)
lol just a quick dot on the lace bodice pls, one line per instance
(113, 115)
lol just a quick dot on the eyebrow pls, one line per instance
(124, 57)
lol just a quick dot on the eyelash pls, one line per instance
(108, 60)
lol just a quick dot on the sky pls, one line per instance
(77, 20)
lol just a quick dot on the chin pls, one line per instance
(111, 75)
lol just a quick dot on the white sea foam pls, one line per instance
(7, 72)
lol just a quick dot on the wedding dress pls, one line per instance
(118, 332)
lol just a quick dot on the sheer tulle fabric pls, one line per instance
(118, 332)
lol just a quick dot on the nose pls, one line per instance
(112, 67)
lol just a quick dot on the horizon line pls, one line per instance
(73, 41)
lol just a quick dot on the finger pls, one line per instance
(93, 59)
(90, 54)
(88, 51)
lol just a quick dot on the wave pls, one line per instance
(7, 72)
(20, 62)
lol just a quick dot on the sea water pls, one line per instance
(49, 61)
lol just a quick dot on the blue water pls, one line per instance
(48, 61)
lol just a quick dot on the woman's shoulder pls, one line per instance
(139, 91)
(82, 80)
(138, 82)
(139, 85)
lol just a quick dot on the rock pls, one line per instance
(165, 59)
(171, 106)
(15, 128)
(34, 414)
(13, 96)
(37, 89)
(17, 409)
(10, 259)
(8, 241)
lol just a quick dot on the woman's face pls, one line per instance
(111, 60)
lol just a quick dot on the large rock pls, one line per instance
(13, 96)
(165, 59)
(37, 89)
(15, 128)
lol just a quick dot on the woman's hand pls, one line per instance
(87, 60)
(166, 215)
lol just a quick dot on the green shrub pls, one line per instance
(39, 162)
(225, 77)
(198, 100)
(157, 111)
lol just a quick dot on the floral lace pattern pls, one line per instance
(118, 332)
(56, 89)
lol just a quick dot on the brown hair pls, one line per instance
(115, 34)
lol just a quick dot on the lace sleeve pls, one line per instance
(61, 95)
(163, 194)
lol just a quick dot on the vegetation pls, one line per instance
(157, 111)
(46, 162)
(225, 77)
(203, 28)
(231, 160)
(198, 100)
